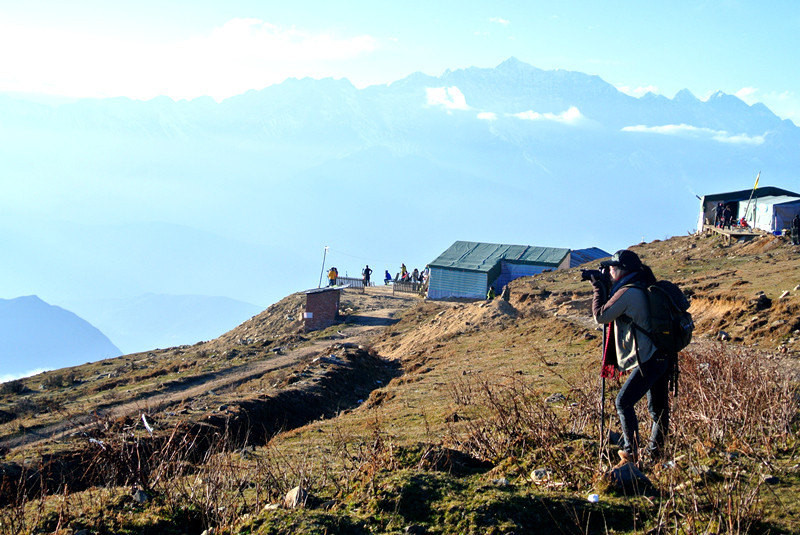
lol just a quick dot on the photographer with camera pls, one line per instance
(619, 300)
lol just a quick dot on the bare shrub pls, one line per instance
(58, 380)
(28, 407)
(732, 417)
(733, 399)
(511, 419)
(11, 388)
(735, 413)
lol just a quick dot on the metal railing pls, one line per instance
(407, 287)
(351, 282)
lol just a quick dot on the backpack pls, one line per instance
(671, 324)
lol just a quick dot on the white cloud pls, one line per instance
(12, 377)
(571, 116)
(499, 20)
(746, 94)
(685, 130)
(638, 91)
(450, 98)
(487, 116)
(241, 54)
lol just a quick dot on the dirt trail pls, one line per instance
(357, 329)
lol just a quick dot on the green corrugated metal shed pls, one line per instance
(484, 257)
(466, 269)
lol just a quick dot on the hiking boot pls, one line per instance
(626, 457)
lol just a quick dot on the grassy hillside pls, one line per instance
(414, 416)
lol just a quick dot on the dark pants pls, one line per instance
(652, 379)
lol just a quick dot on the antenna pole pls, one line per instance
(324, 255)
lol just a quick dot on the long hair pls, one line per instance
(647, 275)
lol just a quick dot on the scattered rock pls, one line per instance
(415, 529)
(629, 480)
(731, 455)
(502, 482)
(209, 531)
(541, 475)
(555, 398)
(784, 294)
(297, 497)
(222, 408)
(140, 496)
(770, 479)
(761, 301)
(723, 336)
(272, 507)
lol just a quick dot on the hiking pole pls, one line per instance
(603, 401)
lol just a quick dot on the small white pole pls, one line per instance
(324, 255)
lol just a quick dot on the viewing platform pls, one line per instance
(734, 233)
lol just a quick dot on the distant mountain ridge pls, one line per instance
(34, 335)
(511, 87)
(239, 198)
(160, 321)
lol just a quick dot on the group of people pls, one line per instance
(366, 275)
(406, 276)
(723, 216)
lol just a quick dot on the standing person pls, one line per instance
(367, 272)
(332, 276)
(403, 272)
(719, 214)
(796, 230)
(415, 275)
(727, 217)
(628, 349)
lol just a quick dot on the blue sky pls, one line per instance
(184, 49)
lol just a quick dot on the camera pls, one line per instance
(601, 274)
(589, 274)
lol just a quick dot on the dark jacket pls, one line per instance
(625, 304)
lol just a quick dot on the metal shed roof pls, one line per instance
(581, 256)
(482, 257)
(743, 195)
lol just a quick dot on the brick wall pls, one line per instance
(322, 308)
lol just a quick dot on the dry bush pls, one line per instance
(10, 388)
(58, 380)
(28, 407)
(733, 400)
(735, 413)
(509, 418)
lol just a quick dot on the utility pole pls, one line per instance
(324, 255)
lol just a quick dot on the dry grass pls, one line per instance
(450, 444)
